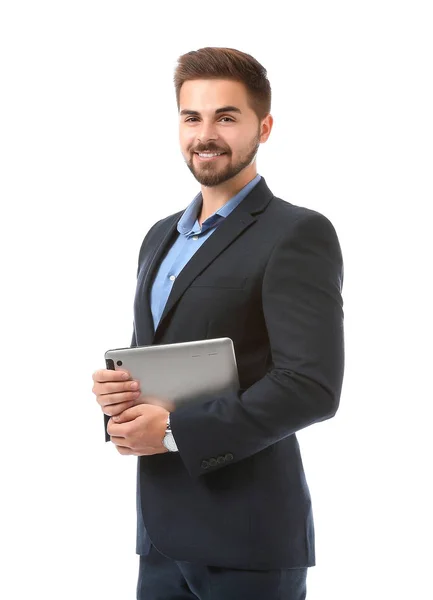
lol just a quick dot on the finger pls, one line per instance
(119, 386)
(131, 413)
(149, 451)
(115, 409)
(117, 429)
(115, 387)
(114, 399)
(119, 441)
(110, 375)
(124, 450)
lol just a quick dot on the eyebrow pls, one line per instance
(224, 109)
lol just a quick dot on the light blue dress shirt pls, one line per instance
(189, 240)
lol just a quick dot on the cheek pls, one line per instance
(185, 143)
(234, 145)
(186, 139)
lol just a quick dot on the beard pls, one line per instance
(211, 174)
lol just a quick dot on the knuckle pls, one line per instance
(98, 375)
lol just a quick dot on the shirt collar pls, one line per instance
(188, 223)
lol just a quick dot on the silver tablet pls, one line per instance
(181, 372)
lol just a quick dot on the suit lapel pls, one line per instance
(227, 231)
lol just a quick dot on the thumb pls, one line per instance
(128, 415)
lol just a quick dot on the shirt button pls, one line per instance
(195, 237)
(172, 277)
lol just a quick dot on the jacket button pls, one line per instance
(213, 462)
(229, 456)
(204, 464)
(221, 460)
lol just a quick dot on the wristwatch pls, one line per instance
(169, 441)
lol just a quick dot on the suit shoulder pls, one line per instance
(304, 223)
(287, 214)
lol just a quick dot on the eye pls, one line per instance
(191, 118)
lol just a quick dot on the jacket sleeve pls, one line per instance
(303, 310)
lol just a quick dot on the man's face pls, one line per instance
(236, 134)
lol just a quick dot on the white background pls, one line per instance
(90, 160)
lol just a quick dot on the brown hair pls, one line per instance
(227, 63)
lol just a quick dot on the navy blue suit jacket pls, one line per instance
(270, 278)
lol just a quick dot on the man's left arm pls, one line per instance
(303, 311)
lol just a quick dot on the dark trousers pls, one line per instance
(161, 578)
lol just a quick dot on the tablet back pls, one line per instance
(181, 372)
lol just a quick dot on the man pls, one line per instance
(223, 506)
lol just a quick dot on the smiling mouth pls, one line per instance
(209, 156)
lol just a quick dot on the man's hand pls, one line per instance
(114, 392)
(142, 420)
(139, 430)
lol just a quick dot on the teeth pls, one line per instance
(210, 155)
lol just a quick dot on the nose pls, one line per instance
(207, 132)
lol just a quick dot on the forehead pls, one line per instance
(206, 95)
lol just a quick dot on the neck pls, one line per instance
(215, 197)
